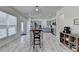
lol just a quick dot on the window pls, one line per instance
(12, 25)
(12, 20)
(3, 17)
(8, 25)
(11, 31)
(3, 33)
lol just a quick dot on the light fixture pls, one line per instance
(35, 13)
(37, 9)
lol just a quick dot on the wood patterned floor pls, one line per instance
(23, 44)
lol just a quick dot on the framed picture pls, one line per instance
(76, 21)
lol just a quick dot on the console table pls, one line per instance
(70, 40)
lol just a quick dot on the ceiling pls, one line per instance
(45, 12)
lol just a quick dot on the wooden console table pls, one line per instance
(70, 40)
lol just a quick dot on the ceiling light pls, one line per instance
(37, 8)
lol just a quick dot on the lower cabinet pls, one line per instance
(70, 41)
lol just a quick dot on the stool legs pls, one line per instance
(36, 38)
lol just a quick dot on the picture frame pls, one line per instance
(76, 21)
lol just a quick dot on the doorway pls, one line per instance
(22, 27)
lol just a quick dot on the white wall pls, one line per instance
(28, 25)
(59, 23)
(72, 13)
(22, 19)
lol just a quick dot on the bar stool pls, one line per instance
(36, 38)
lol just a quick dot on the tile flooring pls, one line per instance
(24, 44)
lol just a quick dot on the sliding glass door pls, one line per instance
(8, 25)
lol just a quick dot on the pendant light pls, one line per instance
(37, 9)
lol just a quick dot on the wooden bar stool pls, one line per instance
(36, 38)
